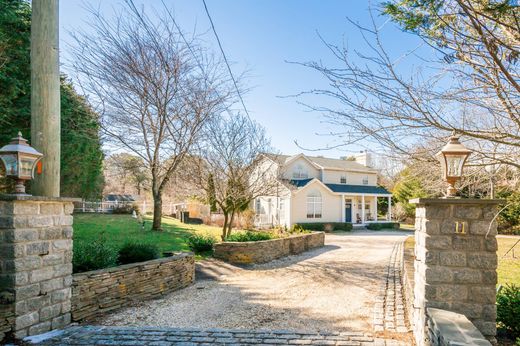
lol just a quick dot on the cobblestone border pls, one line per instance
(389, 309)
(156, 336)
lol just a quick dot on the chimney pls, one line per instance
(364, 158)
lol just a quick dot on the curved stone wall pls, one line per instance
(263, 251)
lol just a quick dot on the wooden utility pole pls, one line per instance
(45, 95)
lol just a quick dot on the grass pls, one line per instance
(118, 229)
(508, 268)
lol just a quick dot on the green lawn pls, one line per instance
(508, 268)
(118, 229)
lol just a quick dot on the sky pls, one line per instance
(262, 37)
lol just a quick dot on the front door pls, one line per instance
(348, 212)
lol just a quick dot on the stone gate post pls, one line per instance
(35, 264)
(456, 261)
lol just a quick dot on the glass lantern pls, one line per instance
(452, 158)
(19, 160)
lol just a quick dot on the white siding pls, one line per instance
(331, 205)
(311, 171)
(353, 178)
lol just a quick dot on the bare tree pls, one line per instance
(231, 170)
(468, 82)
(154, 89)
(122, 169)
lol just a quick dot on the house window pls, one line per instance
(314, 205)
(299, 172)
(365, 180)
(258, 206)
(343, 179)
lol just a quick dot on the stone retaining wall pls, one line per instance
(99, 291)
(267, 250)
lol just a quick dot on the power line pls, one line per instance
(225, 59)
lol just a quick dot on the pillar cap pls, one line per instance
(6, 197)
(456, 201)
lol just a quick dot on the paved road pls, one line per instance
(327, 289)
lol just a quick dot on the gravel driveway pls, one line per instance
(326, 289)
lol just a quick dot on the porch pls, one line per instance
(364, 209)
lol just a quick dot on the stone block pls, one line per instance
(61, 295)
(482, 294)
(62, 269)
(41, 274)
(26, 320)
(451, 293)
(51, 285)
(40, 328)
(68, 208)
(20, 235)
(483, 228)
(61, 321)
(489, 312)
(32, 221)
(452, 258)
(491, 244)
(470, 310)
(51, 208)
(437, 242)
(467, 242)
(23, 263)
(38, 248)
(50, 312)
(438, 274)
(63, 220)
(466, 276)
(489, 277)
(25, 208)
(53, 259)
(25, 292)
(487, 328)
(62, 244)
(467, 212)
(482, 260)
(438, 212)
(51, 233)
(431, 226)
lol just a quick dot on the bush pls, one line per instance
(298, 229)
(383, 225)
(201, 243)
(125, 209)
(326, 226)
(250, 236)
(508, 310)
(93, 255)
(135, 252)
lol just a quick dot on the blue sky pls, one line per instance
(260, 36)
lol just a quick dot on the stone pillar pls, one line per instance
(456, 261)
(35, 264)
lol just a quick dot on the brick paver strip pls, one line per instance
(134, 336)
(389, 314)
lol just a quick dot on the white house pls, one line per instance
(319, 189)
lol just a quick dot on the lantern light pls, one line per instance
(452, 158)
(19, 160)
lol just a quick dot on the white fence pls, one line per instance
(144, 207)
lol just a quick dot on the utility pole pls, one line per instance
(45, 95)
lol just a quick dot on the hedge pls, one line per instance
(382, 225)
(326, 226)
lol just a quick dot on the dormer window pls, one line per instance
(365, 180)
(343, 179)
(299, 172)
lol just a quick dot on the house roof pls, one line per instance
(344, 188)
(323, 162)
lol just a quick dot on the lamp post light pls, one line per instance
(452, 157)
(19, 160)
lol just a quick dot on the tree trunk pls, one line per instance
(224, 227)
(230, 224)
(157, 211)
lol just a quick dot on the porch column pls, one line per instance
(375, 208)
(362, 208)
(389, 216)
(342, 206)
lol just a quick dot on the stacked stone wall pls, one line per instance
(35, 265)
(455, 268)
(267, 250)
(97, 292)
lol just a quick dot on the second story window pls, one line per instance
(343, 179)
(300, 173)
(365, 180)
